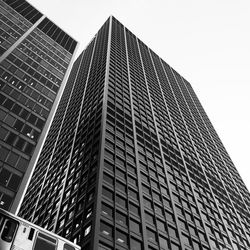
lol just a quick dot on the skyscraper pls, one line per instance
(132, 161)
(35, 55)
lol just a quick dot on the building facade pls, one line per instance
(35, 56)
(132, 161)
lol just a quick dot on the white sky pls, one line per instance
(207, 42)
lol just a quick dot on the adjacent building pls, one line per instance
(35, 55)
(131, 160)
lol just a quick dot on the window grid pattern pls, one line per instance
(79, 115)
(30, 77)
(166, 180)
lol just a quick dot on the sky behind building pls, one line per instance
(206, 42)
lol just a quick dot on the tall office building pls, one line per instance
(35, 56)
(132, 161)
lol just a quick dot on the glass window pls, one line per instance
(4, 176)
(10, 120)
(133, 194)
(135, 244)
(5, 201)
(163, 242)
(106, 229)
(108, 166)
(147, 203)
(107, 193)
(133, 208)
(45, 242)
(121, 218)
(103, 246)
(135, 226)
(109, 179)
(68, 247)
(14, 182)
(174, 246)
(107, 210)
(121, 237)
(87, 230)
(121, 186)
(149, 218)
(160, 225)
(9, 230)
(172, 232)
(151, 235)
(121, 201)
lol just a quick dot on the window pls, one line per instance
(9, 230)
(133, 194)
(44, 241)
(172, 232)
(160, 225)
(135, 226)
(135, 244)
(87, 230)
(147, 203)
(121, 186)
(163, 242)
(4, 176)
(109, 179)
(174, 246)
(133, 208)
(121, 218)
(151, 235)
(108, 166)
(106, 229)
(107, 193)
(14, 182)
(121, 237)
(149, 218)
(107, 210)
(89, 212)
(68, 247)
(121, 201)
(103, 246)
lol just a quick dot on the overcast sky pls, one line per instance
(207, 42)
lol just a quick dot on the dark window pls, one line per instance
(20, 143)
(68, 247)
(5, 202)
(14, 182)
(107, 193)
(121, 218)
(121, 201)
(24, 114)
(133, 208)
(11, 138)
(3, 132)
(135, 244)
(107, 210)
(120, 186)
(109, 179)
(18, 125)
(106, 229)
(9, 230)
(151, 235)
(133, 194)
(4, 176)
(121, 237)
(45, 242)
